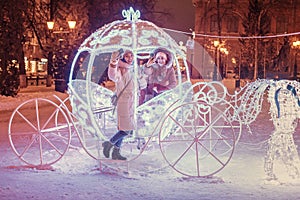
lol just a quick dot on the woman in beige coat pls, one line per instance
(120, 71)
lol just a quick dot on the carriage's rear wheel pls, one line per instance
(212, 92)
(66, 107)
(203, 139)
(39, 132)
(90, 142)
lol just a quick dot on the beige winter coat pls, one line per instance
(161, 77)
(125, 105)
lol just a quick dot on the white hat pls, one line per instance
(170, 57)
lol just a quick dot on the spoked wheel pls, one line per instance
(35, 135)
(212, 92)
(203, 141)
(89, 141)
(107, 123)
(66, 106)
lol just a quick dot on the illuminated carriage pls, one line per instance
(189, 125)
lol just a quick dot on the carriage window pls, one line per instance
(100, 68)
(81, 66)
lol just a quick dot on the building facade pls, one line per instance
(253, 38)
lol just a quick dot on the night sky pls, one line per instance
(183, 12)
(184, 17)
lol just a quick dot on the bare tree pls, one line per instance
(256, 23)
(12, 38)
(105, 11)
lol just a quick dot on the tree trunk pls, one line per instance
(22, 70)
(23, 81)
(255, 60)
(219, 59)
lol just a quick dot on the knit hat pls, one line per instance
(122, 63)
(127, 51)
(170, 57)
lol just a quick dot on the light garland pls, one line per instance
(90, 101)
(131, 15)
(283, 97)
(193, 34)
(87, 97)
(285, 113)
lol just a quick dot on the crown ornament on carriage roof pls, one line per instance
(131, 15)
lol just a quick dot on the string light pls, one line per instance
(284, 110)
(247, 103)
(232, 37)
(283, 97)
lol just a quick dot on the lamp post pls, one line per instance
(190, 45)
(215, 72)
(224, 51)
(60, 84)
(296, 46)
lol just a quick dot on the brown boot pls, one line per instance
(106, 148)
(116, 154)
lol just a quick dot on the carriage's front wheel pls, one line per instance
(39, 132)
(197, 139)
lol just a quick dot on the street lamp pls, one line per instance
(215, 75)
(50, 25)
(296, 46)
(225, 51)
(59, 82)
(190, 45)
(71, 24)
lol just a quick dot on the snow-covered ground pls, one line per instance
(76, 175)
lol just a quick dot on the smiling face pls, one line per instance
(128, 57)
(161, 58)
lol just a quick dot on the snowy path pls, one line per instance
(76, 175)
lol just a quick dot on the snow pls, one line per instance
(10, 103)
(77, 175)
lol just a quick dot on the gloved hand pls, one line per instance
(150, 62)
(115, 56)
(159, 88)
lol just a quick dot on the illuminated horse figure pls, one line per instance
(283, 97)
(248, 101)
(285, 112)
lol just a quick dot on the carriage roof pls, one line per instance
(139, 36)
(132, 33)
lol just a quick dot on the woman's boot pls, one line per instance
(106, 148)
(116, 154)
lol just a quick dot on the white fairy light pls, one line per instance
(142, 37)
(131, 15)
(285, 112)
(89, 99)
(283, 97)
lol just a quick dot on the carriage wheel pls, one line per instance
(212, 92)
(203, 141)
(35, 135)
(66, 106)
(89, 141)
